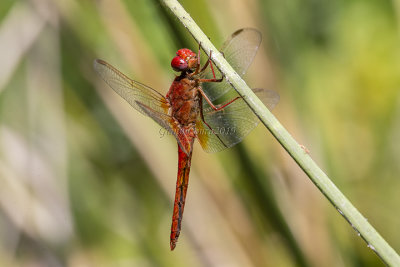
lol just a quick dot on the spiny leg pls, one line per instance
(209, 62)
(198, 61)
(215, 107)
(212, 130)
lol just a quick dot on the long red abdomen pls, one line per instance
(180, 194)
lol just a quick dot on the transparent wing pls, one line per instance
(239, 50)
(132, 91)
(144, 99)
(230, 125)
(270, 98)
(170, 125)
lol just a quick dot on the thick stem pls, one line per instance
(296, 151)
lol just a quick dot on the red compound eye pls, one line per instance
(179, 64)
(185, 53)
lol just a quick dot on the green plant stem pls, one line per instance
(296, 151)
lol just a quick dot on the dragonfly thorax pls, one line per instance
(184, 99)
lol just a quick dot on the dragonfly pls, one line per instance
(197, 106)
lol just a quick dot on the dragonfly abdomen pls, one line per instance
(182, 182)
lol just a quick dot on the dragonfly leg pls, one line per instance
(209, 127)
(209, 62)
(197, 71)
(206, 65)
(220, 106)
(211, 80)
(305, 149)
(227, 103)
(198, 56)
(198, 61)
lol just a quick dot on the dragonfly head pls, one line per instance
(184, 60)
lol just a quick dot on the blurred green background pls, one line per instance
(85, 180)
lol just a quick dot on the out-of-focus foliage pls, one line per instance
(87, 181)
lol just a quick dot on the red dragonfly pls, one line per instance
(197, 105)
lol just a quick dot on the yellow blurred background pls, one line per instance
(85, 180)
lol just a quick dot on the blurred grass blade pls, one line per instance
(18, 32)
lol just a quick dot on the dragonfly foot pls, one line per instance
(305, 149)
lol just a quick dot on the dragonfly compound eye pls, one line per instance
(179, 64)
(185, 53)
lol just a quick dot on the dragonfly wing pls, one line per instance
(270, 98)
(144, 99)
(132, 91)
(239, 50)
(208, 138)
(227, 127)
(170, 125)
